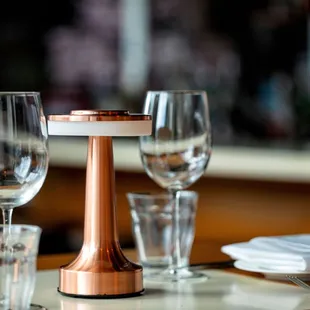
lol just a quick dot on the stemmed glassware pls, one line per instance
(23, 150)
(176, 154)
(23, 168)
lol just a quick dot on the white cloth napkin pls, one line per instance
(283, 253)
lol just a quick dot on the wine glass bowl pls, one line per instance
(23, 149)
(177, 153)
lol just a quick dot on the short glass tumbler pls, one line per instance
(152, 226)
(18, 259)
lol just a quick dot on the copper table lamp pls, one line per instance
(100, 270)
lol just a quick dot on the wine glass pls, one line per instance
(23, 150)
(176, 154)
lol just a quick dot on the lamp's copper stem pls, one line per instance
(100, 219)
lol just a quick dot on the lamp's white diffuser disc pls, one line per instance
(100, 128)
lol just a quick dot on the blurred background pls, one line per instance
(252, 58)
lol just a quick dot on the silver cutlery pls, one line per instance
(298, 282)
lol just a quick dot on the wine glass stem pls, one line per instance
(7, 216)
(7, 221)
(176, 253)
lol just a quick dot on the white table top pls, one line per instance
(223, 291)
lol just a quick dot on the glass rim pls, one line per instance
(157, 194)
(175, 92)
(19, 93)
(29, 228)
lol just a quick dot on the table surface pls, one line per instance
(222, 291)
(230, 289)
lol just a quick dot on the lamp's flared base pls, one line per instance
(101, 279)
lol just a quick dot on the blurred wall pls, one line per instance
(250, 56)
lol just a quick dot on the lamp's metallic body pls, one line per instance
(100, 270)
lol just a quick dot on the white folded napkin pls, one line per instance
(287, 253)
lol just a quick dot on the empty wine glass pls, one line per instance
(176, 154)
(23, 150)
(23, 157)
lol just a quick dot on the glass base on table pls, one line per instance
(175, 275)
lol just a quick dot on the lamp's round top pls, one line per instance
(99, 123)
(98, 115)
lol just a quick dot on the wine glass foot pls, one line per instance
(177, 275)
(37, 307)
